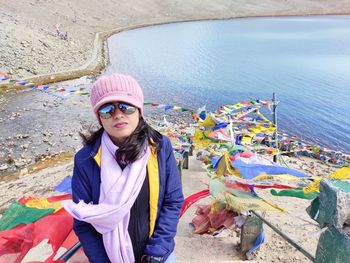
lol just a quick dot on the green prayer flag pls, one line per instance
(17, 214)
(299, 193)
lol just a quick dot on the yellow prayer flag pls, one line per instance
(245, 204)
(342, 173)
(247, 139)
(264, 176)
(42, 203)
(208, 122)
(225, 166)
(200, 139)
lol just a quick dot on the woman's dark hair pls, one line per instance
(133, 145)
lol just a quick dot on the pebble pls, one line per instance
(20, 162)
(3, 167)
(25, 146)
(21, 136)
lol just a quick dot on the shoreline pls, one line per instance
(100, 51)
(53, 159)
(99, 59)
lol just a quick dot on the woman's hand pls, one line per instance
(151, 259)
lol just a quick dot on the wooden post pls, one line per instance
(274, 120)
(185, 159)
(179, 167)
(191, 150)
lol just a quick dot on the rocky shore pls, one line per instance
(37, 127)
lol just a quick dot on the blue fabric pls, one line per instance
(86, 186)
(171, 258)
(202, 115)
(260, 239)
(215, 161)
(168, 107)
(237, 141)
(219, 126)
(250, 171)
(181, 139)
(65, 186)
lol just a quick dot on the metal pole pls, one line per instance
(66, 256)
(288, 239)
(274, 120)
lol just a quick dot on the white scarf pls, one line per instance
(118, 192)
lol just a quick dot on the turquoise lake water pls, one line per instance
(305, 60)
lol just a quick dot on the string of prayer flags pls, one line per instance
(44, 88)
(167, 107)
(40, 88)
(5, 76)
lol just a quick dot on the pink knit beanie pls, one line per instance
(116, 87)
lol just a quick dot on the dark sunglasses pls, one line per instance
(107, 110)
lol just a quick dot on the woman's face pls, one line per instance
(119, 120)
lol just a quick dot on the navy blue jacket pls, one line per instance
(86, 186)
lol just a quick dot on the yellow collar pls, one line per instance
(153, 178)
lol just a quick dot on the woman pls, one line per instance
(126, 188)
